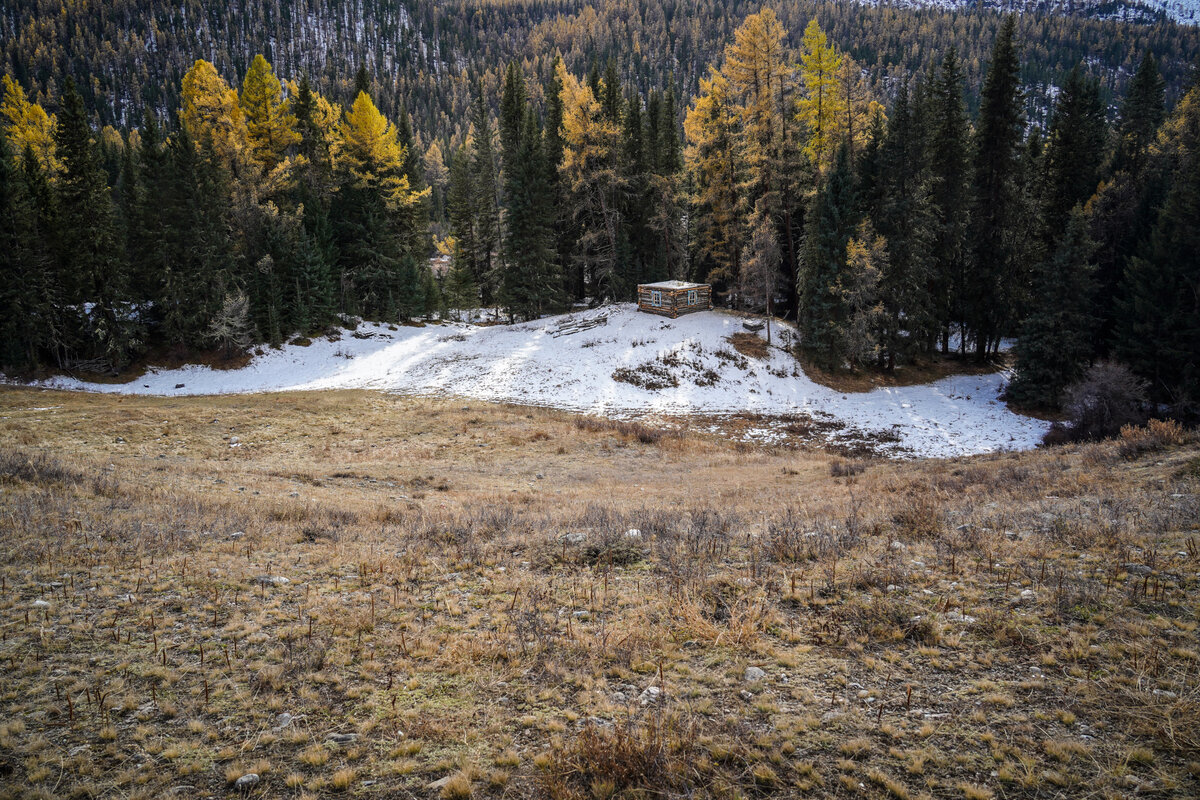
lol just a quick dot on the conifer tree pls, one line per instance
(485, 200)
(949, 170)
(1055, 342)
(590, 169)
(27, 125)
(987, 310)
(461, 289)
(821, 107)
(87, 242)
(831, 223)
(1141, 115)
(717, 174)
(270, 123)
(1074, 151)
(214, 120)
(26, 291)
(530, 283)
(1158, 330)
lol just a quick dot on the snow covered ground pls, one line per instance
(685, 367)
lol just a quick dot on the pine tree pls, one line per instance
(1074, 152)
(1141, 115)
(462, 290)
(485, 200)
(1056, 339)
(831, 223)
(270, 123)
(26, 292)
(987, 308)
(530, 283)
(949, 169)
(1158, 331)
(87, 242)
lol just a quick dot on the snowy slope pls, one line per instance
(544, 363)
(1186, 12)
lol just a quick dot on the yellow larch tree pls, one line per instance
(213, 118)
(821, 107)
(270, 123)
(367, 147)
(27, 125)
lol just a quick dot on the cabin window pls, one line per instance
(656, 299)
(692, 297)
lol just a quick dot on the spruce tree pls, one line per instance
(1055, 342)
(986, 309)
(89, 254)
(832, 220)
(1074, 152)
(485, 200)
(1141, 115)
(949, 167)
(26, 292)
(530, 282)
(1158, 330)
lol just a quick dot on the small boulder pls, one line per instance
(246, 782)
(754, 674)
(650, 696)
(574, 538)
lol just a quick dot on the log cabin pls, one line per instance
(672, 298)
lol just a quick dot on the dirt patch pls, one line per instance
(922, 371)
(749, 344)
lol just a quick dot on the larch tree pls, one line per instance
(715, 164)
(821, 106)
(590, 170)
(214, 120)
(270, 122)
(27, 125)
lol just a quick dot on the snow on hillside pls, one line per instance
(1186, 12)
(684, 367)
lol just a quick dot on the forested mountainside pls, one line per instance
(126, 54)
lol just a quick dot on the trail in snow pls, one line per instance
(530, 364)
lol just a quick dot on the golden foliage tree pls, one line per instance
(27, 125)
(270, 123)
(368, 149)
(214, 119)
(822, 105)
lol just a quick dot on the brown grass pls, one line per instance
(924, 370)
(466, 596)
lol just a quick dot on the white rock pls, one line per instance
(650, 696)
(40, 604)
(754, 674)
(246, 781)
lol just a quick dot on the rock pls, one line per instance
(747, 696)
(633, 533)
(619, 698)
(650, 696)
(1026, 596)
(540, 476)
(246, 781)
(574, 538)
(754, 674)
(581, 615)
(1136, 569)
(237, 534)
(830, 716)
(119, 440)
(179, 386)
(284, 719)
(898, 546)
(272, 580)
(342, 738)
(955, 616)
(600, 722)
(40, 604)
(437, 785)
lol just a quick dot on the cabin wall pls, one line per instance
(674, 301)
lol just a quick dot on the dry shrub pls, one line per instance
(626, 429)
(846, 469)
(920, 517)
(890, 619)
(1156, 435)
(608, 761)
(21, 466)
(1108, 398)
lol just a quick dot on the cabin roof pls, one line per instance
(672, 285)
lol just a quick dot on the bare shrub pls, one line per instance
(1108, 398)
(846, 469)
(605, 761)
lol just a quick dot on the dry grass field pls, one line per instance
(357, 594)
